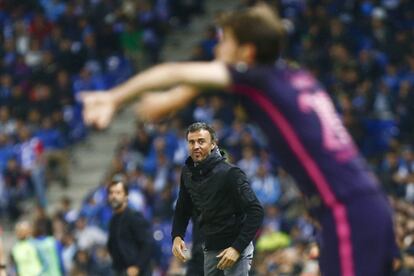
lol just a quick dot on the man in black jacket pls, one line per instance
(228, 211)
(130, 239)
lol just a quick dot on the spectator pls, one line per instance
(266, 186)
(132, 44)
(249, 162)
(17, 184)
(55, 155)
(69, 249)
(30, 156)
(88, 236)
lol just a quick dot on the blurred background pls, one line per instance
(53, 170)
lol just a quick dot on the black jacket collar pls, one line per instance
(206, 165)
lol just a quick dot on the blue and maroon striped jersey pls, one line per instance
(304, 130)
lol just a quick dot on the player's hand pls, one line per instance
(228, 257)
(153, 107)
(179, 248)
(98, 108)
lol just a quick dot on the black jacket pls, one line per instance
(219, 193)
(130, 241)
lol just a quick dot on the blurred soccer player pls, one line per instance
(299, 118)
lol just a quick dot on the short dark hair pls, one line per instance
(118, 178)
(199, 126)
(258, 25)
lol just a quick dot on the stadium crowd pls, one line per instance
(52, 49)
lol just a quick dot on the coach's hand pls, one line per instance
(132, 271)
(98, 108)
(179, 248)
(228, 257)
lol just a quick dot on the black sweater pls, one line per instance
(228, 211)
(130, 241)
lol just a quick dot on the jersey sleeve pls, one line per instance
(242, 75)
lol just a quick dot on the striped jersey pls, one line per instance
(304, 130)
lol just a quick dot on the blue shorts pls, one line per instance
(357, 238)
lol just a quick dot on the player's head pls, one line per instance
(255, 36)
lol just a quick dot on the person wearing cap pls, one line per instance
(130, 238)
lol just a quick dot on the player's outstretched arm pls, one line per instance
(100, 108)
(155, 106)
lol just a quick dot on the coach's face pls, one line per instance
(117, 197)
(200, 144)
